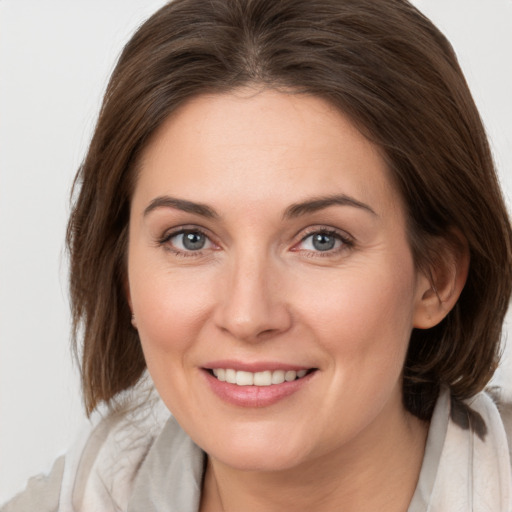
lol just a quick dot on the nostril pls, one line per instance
(266, 333)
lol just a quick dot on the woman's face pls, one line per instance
(267, 241)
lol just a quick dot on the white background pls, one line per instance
(55, 58)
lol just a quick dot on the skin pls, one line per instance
(259, 290)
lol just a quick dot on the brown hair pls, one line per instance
(384, 65)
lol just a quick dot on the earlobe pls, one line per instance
(439, 291)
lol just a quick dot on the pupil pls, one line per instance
(193, 241)
(323, 242)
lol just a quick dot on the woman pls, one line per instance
(289, 215)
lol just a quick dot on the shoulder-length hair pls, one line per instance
(381, 63)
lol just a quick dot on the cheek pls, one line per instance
(362, 321)
(170, 309)
(362, 312)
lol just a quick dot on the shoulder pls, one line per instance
(42, 492)
(504, 404)
(99, 475)
(99, 470)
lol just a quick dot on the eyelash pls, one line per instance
(167, 237)
(346, 242)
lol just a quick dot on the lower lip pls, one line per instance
(255, 396)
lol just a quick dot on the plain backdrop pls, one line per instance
(55, 58)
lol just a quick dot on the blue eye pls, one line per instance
(190, 241)
(323, 241)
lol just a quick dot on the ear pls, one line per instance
(439, 288)
(128, 296)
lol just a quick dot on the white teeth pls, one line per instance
(220, 373)
(231, 376)
(265, 378)
(290, 375)
(244, 378)
(278, 377)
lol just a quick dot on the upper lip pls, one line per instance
(254, 366)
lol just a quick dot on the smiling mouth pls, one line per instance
(264, 378)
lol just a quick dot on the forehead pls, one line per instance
(262, 145)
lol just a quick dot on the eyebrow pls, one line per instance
(293, 211)
(320, 203)
(181, 204)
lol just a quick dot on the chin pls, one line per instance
(259, 455)
(258, 462)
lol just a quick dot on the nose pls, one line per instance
(252, 305)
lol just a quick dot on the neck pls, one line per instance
(379, 471)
